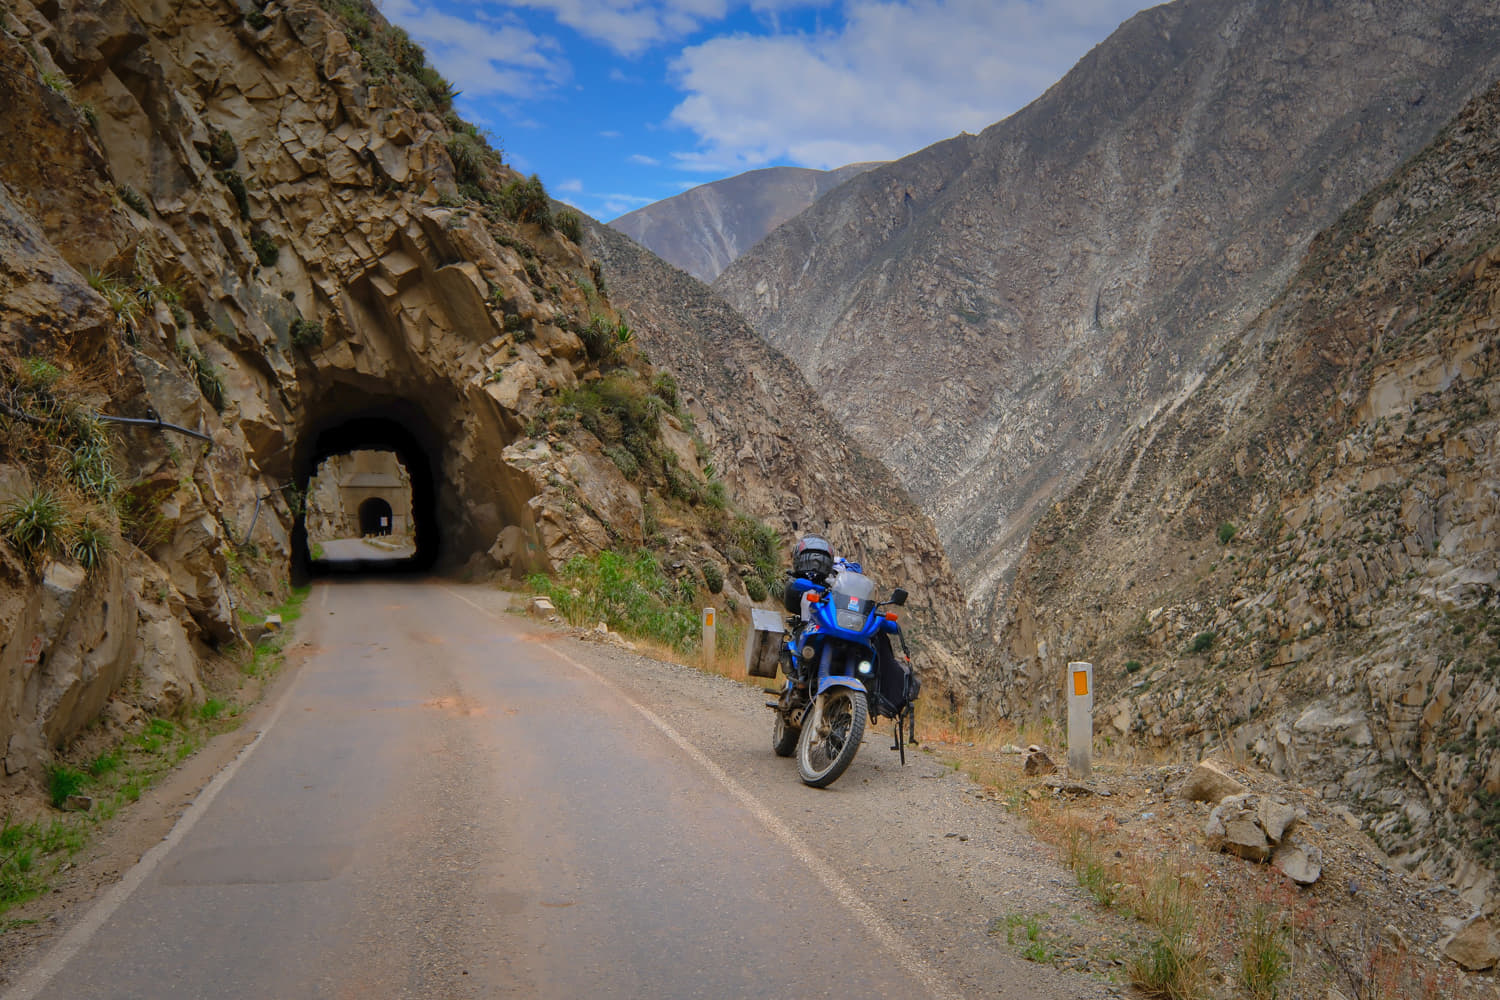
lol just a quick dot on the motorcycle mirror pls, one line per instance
(899, 597)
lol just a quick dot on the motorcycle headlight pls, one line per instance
(865, 666)
(808, 652)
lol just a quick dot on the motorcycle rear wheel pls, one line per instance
(783, 737)
(831, 734)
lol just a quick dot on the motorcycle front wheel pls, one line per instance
(831, 734)
(784, 737)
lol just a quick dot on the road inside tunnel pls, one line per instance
(344, 426)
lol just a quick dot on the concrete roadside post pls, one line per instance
(710, 637)
(1080, 719)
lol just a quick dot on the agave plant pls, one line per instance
(35, 523)
(90, 544)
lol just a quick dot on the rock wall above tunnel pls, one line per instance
(235, 226)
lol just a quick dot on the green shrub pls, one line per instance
(232, 180)
(664, 386)
(630, 593)
(713, 577)
(204, 372)
(35, 524)
(1265, 959)
(762, 547)
(1226, 532)
(526, 201)
(467, 153)
(222, 151)
(439, 91)
(570, 224)
(134, 200)
(41, 373)
(624, 460)
(306, 333)
(1202, 642)
(598, 338)
(123, 300)
(618, 410)
(257, 20)
(63, 781)
(265, 248)
(1132, 666)
(755, 587)
(90, 544)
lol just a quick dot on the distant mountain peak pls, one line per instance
(705, 228)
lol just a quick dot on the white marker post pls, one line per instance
(710, 637)
(1080, 718)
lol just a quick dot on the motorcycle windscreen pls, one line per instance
(853, 599)
(892, 686)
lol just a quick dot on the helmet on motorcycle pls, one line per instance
(812, 558)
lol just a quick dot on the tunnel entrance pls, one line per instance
(369, 468)
(375, 517)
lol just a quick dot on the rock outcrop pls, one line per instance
(1296, 558)
(262, 224)
(703, 229)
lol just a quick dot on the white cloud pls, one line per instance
(641, 159)
(897, 76)
(484, 56)
(618, 204)
(570, 186)
(632, 26)
(611, 134)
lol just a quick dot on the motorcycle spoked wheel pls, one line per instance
(831, 734)
(784, 738)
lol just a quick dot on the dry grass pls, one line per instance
(1189, 924)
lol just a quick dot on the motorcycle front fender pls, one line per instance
(853, 683)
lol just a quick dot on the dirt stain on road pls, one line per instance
(457, 706)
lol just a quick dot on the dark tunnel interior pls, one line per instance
(395, 425)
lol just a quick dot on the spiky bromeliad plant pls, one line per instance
(35, 523)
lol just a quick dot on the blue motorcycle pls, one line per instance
(839, 664)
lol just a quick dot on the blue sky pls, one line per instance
(619, 103)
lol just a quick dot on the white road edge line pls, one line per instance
(872, 921)
(76, 939)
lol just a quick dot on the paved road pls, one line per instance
(448, 804)
(364, 550)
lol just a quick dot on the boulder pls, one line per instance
(1476, 947)
(1302, 863)
(1234, 826)
(1275, 818)
(1037, 761)
(1210, 782)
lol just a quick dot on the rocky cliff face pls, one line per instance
(1014, 300)
(260, 223)
(1296, 557)
(702, 230)
(784, 454)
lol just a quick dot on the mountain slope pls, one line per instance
(782, 453)
(1296, 560)
(1012, 300)
(703, 229)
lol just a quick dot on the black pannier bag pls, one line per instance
(812, 558)
(895, 685)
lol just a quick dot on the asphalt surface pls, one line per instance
(450, 802)
(366, 550)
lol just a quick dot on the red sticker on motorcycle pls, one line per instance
(853, 604)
